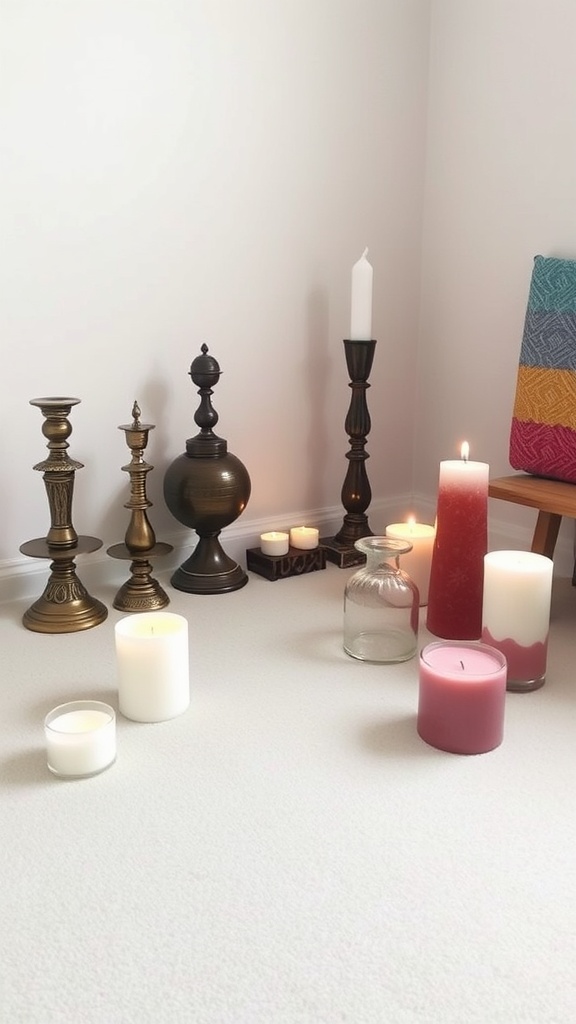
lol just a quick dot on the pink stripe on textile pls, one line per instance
(543, 450)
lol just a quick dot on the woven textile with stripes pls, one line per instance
(543, 433)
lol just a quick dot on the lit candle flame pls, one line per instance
(411, 523)
(465, 450)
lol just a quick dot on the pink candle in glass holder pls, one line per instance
(462, 691)
(516, 613)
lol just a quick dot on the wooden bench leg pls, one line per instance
(546, 533)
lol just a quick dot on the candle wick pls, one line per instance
(462, 663)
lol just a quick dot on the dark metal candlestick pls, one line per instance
(356, 493)
(141, 592)
(207, 488)
(65, 606)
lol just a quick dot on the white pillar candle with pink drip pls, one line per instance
(516, 613)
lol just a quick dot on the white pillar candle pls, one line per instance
(304, 537)
(516, 613)
(417, 561)
(80, 738)
(361, 305)
(152, 666)
(274, 543)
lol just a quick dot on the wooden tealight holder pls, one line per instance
(279, 567)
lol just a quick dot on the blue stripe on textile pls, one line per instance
(549, 340)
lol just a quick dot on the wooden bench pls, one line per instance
(552, 498)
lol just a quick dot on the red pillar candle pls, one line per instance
(461, 542)
(461, 699)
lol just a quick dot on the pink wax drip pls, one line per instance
(524, 663)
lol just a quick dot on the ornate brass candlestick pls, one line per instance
(207, 488)
(65, 606)
(141, 592)
(356, 492)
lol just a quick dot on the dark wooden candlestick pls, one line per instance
(356, 492)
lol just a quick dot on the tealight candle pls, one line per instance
(153, 666)
(462, 691)
(274, 543)
(417, 561)
(304, 537)
(80, 738)
(516, 613)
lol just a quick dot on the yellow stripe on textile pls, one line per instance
(546, 396)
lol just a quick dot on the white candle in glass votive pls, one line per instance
(274, 543)
(80, 738)
(153, 666)
(416, 562)
(304, 537)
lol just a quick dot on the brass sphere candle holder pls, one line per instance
(207, 488)
(141, 592)
(65, 606)
(356, 492)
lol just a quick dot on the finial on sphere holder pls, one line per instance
(207, 488)
(141, 592)
(356, 492)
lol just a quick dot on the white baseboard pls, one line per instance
(25, 578)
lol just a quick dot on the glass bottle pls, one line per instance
(381, 604)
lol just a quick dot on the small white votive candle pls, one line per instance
(152, 665)
(80, 738)
(274, 543)
(304, 537)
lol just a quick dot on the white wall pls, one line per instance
(500, 186)
(180, 171)
(185, 171)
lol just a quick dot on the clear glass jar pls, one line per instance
(381, 604)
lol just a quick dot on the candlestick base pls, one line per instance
(65, 606)
(140, 593)
(209, 570)
(279, 567)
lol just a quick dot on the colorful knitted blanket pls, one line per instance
(543, 433)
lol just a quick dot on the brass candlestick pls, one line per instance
(356, 491)
(141, 592)
(65, 606)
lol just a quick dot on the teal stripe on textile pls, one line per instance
(553, 285)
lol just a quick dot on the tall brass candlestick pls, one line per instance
(356, 492)
(65, 606)
(141, 592)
